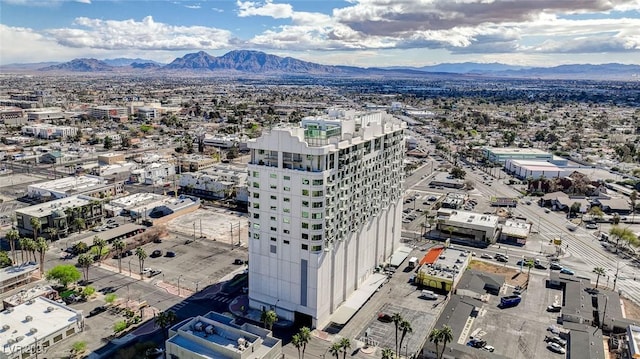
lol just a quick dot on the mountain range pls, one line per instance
(255, 62)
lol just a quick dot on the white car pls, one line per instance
(486, 256)
(554, 347)
(489, 348)
(146, 270)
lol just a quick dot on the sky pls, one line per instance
(366, 33)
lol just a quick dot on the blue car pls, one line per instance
(567, 271)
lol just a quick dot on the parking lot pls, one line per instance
(195, 265)
(518, 332)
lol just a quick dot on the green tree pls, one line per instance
(41, 247)
(335, 350)
(142, 255)
(596, 212)
(405, 328)
(633, 197)
(110, 298)
(268, 318)
(30, 247)
(79, 224)
(305, 337)
(624, 234)
(387, 353)
(12, 237)
(80, 248)
(63, 274)
(107, 143)
(85, 261)
(297, 342)
(345, 345)
(119, 326)
(397, 319)
(574, 209)
(5, 261)
(446, 335)
(35, 226)
(118, 247)
(88, 291)
(435, 338)
(599, 271)
(22, 242)
(53, 233)
(164, 320)
(99, 243)
(79, 347)
(457, 172)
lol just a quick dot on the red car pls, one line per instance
(385, 318)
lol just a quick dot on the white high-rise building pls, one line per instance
(325, 208)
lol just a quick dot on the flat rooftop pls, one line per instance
(516, 228)
(472, 218)
(137, 199)
(44, 209)
(450, 264)
(517, 150)
(39, 317)
(70, 184)
(16, 271)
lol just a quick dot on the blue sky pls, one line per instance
(353, 32)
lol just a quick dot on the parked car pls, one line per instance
(555, 266)
(170, 254)
(553, 329)
(154, 272)
(385, 318)
(567, 271)
(156, 253)
(554, 347)
(540, 266)
(489, 348)
(556, 340)
(591, 226)
(476, 343)
(157, 240)
(97, 310)
(502, 259)
(554, 308)
(486, 256)
(238, 261)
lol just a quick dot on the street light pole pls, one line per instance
(179, 284)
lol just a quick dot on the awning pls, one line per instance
(399, 256)
(357, 299)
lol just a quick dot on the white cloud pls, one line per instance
(193, 6)
(268, 8)
(146, 34)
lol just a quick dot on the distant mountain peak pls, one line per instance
(80, 65)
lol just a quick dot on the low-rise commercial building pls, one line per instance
(109, 112)
(442, 268)
(87, 185)
(16, 276)
(515, 232)
(218, 336)
(154, 174)
(10, 113)
(43, 130)
(65, 215)
(43, 114)
(32, 327)
(470, 226)
(195, 163)
(110, 158)
(501, 155)
(526, 169)
(221, 181)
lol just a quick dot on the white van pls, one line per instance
(427, 294)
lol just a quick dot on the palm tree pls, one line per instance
(99, 243)
(79, 223)
(22, 243)
(297, 342)
(446, 335)
(268, 318)
(85, 261)
(52, 232)
(599, 271)
(119, 246)
(405, 327)
(335, 349)
(35, 226)
(305, 337)
(435, 338)
(397, 319)
(345, 344)
(529, 263)
(164, 320)
(12, 236)
(142, 255)
(41, 247)
(30, 247)
(387, 353)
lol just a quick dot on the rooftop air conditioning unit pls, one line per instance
(33, 330)
(19, 338)
(198, 327)
(28, 318)
(49, 309)
(11, 341)
(5, 327)
(31, 301)
(209, 329)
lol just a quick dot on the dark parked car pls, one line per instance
(385, 318)
(157, 240)
(238, 261)
(540, 266)
(555, 266)
(154, 272)
(97, 310)
(170, 254)
(156, 253)
(127, 253)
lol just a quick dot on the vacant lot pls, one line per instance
(512, 276)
